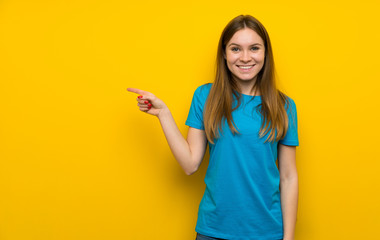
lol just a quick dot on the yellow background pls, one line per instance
(78, 160)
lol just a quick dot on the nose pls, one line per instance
(245, 56)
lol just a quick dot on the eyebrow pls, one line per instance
(239, 45)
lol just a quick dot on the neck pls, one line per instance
(246, 87)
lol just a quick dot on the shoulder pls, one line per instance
(203, 90)
(290, 108)
(289, 102)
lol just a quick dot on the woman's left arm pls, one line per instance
(288, 188)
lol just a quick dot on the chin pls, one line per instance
(245, 78)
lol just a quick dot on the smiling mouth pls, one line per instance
(245, 66)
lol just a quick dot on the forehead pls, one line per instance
(246, 36)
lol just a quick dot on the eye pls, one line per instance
(234, 49)
(255, 48)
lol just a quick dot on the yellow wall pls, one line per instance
(78, 160)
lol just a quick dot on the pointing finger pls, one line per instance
(136, 90)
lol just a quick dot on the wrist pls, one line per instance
(163, 112)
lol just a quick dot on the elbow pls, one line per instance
(289, 176)
(292, 178)
(188, 173)
(191, 171)
(192, 166)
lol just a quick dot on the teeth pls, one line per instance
(245, 67)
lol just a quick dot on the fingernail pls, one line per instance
(149, 105)
(146, 102)
(139, 97)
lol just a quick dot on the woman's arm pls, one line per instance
(289, 188)
(188, 153)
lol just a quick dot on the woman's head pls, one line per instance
(245, 55)
(244, 30)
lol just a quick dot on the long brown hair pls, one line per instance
(220, 100)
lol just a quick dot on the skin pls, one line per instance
(289, 188)
(245, 48)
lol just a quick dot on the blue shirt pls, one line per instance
(242, 197)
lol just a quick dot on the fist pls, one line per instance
(148, 102)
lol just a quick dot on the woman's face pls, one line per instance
(245, 55)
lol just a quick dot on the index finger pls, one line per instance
(136, 90)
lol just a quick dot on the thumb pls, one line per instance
(147, 97)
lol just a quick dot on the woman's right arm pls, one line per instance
(188, 152)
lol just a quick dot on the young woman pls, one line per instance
(248, 124)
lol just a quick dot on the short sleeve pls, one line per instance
(291, 137)
(195, 117)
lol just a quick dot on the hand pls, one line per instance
(148, 102)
